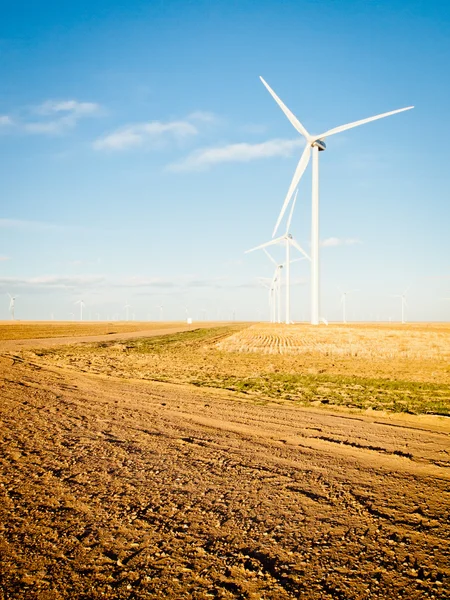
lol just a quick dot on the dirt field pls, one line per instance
(73, 330)
(114, 485)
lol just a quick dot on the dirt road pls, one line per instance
(133, 489)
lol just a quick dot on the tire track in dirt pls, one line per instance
(137, 490)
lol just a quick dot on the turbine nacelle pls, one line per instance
(319, 144)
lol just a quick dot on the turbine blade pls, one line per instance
(270, 257)
(293, 261)
(261, 246)
(361, 122)
(302, 164)
(299, 248)
(292, 118)
(292, 212)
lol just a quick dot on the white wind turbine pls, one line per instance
(270, 285)
(160, 306)
(127, 310)
(287, 240)
(314, 144)
(81, 303)
(404, 304)
(12, 305)
(344, 303)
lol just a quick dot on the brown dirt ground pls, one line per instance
(134, 489)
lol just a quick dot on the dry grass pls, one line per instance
(412, 341)
(24, 330)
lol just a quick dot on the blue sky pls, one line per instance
(141, 155)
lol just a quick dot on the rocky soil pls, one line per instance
(116, 488)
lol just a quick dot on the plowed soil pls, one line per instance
(120, 488)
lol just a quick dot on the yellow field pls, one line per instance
(385, 341)
(385, 367)
(24, 330)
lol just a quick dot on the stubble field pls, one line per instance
(172, 462)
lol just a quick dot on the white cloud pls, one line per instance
(153, 132)
(5, 121)
(72, 107)
(2, 258)
(65, 113)
(53, 281)
(334, 241)
(203, 116)
(93, 282)
(242, 152)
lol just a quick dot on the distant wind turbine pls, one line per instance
(344, 303)
(12, 305)
(314, 145)
(160, 306)
(270, 285)
(404, 304)
(127, 308)
(287, 240)
(81, 303)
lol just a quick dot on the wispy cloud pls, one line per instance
(53, 282)
(73, 107)
(334, 241)
(161, 282)
(203, 116)
(60, 115)
(141, 134)
(93, 282)
(5, 121)
(2, 258)
(242, 152)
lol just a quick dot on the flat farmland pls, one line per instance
(227, 461)
(399, 369)
(24, 330)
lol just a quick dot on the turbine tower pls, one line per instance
(81, 303)
(314, 145)
(268, 284)
(12, 304)
(127, 309)
(404, 305)
(287, 240)
(344, 303)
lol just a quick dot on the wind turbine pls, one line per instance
(269, 284)
(344, 303)
(287, 240)
(404, 304)
(314, 145)
(81, 303)
(160, 311)
(127, 309)
(12, 304)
